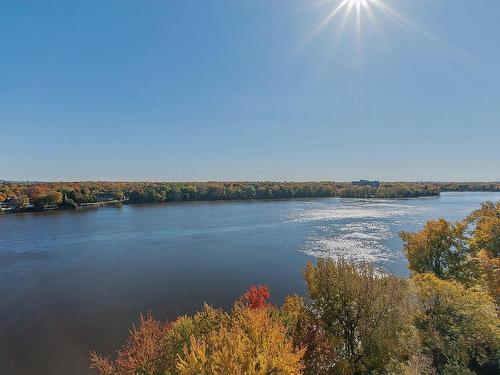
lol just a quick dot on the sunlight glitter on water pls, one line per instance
(358, 241)
(355, 229)
(354, 210)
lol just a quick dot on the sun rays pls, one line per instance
(342, 8)
(358, 13)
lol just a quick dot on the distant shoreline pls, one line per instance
(103, 204)
(48, 196)
(117, 204)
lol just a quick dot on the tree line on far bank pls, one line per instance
(39, 195)
(72, 194)
(357, 320)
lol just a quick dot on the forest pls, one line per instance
(28, 196)
(355, 319)
(22, 196)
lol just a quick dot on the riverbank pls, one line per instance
(83, 206)
(43, 196)
(16, 210)
(39, 196)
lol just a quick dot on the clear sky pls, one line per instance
(247, 90)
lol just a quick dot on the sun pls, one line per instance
(363, 15)
(357, 3)
(345, 9)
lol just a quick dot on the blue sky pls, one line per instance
(234, 90)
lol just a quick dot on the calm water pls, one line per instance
(75, 281)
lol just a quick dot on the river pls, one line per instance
(74, 281)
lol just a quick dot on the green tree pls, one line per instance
(49, 198)
(118, 195)
(458, 325)
(360, 318)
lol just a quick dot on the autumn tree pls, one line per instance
(22, 200)
(144, 353)
(252, 342)
(486, 228)
(458, 325)
(48, 198)
(485, 241)
(441, 248)
(360, 318)
(490, 268)
(467, 251)
(251, 339)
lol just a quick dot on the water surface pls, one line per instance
(72, 281)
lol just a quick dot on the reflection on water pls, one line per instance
(359, 241)
(71, 282)
(360, 229)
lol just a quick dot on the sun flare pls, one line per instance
(357, 3)
(344, 9)
(364, 14)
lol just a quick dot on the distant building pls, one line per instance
(374, 183)
(7, 206)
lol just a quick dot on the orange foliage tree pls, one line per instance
(251, 339)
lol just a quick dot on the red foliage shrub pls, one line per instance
(256, 297)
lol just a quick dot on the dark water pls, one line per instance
(75, 281)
